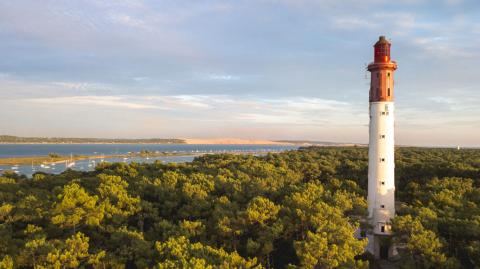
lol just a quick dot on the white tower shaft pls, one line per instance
(381, 151)
(381, 167)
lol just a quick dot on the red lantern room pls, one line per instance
(382, 50)
(382, 69)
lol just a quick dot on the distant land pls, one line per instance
(233, 141)
(10, 139)
(318, 143)
(236, 141)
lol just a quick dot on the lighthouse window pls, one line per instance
(382, 136)
(382, 159)
(388, 74)
(388, 91)
(382, 206)
(382, 229)
(378, 75)
(383, 182)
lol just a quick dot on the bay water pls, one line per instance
(182, 153)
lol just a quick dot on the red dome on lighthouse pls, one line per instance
(382, 50)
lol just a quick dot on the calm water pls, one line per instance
(24, 150)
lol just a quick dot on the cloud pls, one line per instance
(81, 86)
(302, 111)
(449, 108)
(140, 79)
(394, 22)
(102, 101)
(217, 77)
(223, 77)
(179, 102)
(97, 27)
(127, 20)
(352, 23)
(443, 100)
(295, 110)
(440, 47)
(238, 64)
(18, 88)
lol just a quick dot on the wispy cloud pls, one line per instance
(440, 47)
(295, 110)
(173, 103)
(102, 101)
(217, 77)
(223, 77)
(352, 23)
(302, 111)
(127, 20)
(140, 79)
(180, 102)
(80, 86)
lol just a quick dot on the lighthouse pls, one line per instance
(381, 162)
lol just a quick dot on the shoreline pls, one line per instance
(44, 159)
(36, 160)
(233, 141)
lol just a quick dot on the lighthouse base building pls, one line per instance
(381, 149)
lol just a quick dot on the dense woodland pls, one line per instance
(297, 209)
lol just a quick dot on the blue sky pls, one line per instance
(264, 69)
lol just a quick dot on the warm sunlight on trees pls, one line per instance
(297, 209)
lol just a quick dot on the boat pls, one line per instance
(71, 163)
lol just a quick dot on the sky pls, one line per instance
(263, 69)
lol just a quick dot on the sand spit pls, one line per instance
(232, 141)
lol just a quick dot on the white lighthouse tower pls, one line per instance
(381, 162)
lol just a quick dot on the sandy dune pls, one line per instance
(231, 141)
